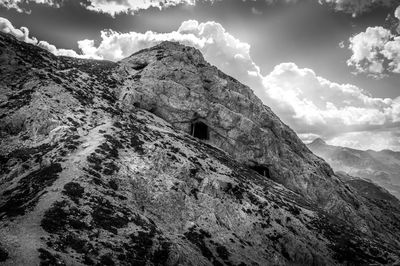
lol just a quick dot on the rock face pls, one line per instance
(175, 83)
(161, 159)
(381, 167)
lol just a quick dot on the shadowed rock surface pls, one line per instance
(162, 159)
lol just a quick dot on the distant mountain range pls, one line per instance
(381, 167)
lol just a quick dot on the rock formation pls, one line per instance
(162, 159)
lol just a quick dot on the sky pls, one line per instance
(327, 68)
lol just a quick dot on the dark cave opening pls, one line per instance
(262, 170)
(200, 130)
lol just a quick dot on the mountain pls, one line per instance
(380, 167)
(162, 159)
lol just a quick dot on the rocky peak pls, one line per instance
(166, 49)
(179, 86)
(172, 45)
(162, 159)
(318, 142)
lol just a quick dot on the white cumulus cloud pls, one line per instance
(376, 51)
(312, 104)
(22, 34)
(217, 45)
(114, 7)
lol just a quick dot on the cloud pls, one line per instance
(60, 52)
(368, 50)
(397, 13)
(218, 46)
(20, 5)
(357, 7)
(22, 34)
(374, 140)
(129, 7)
(376, 51)
(255, 11)
(312, 105)
(110, 7)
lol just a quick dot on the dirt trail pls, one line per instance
(22, 235)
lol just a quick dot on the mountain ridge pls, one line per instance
(318, 141)
(162, 159)
(381, 167)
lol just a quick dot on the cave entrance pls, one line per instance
(200, 130)
(262, 170)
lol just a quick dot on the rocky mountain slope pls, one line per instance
(162, 159)
(381, 167)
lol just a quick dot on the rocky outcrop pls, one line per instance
(161, 159)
